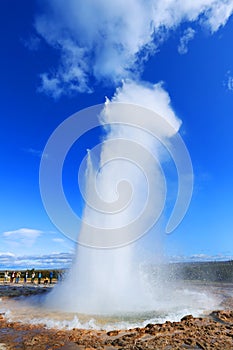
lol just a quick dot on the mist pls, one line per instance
(125, 189)
(125, 194)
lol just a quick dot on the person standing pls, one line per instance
(33, 277)
(26, 277)
(39, 277)
(13, 275)
(17, 278)
(50, 277)
(6, 276)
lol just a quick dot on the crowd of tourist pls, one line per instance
(30, 277)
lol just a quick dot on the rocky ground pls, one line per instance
(214, 331)
(16, 290)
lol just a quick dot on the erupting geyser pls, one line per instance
(125, 192)
(125, 187)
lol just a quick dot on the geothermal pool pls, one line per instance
(178, 301)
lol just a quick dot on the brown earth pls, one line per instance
(214, 331)
(16, 290)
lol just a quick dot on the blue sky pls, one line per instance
(192, 55)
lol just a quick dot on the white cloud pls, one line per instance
(23, 236)
(25, 241)
(23, 232)
(58, 240)
(219, 13)
(185, 39)
(113, 44)
(71, 75)
(64, 260)
(229, 82)
(35, 152)
(6, 255)
(201, 257)
(53, 260)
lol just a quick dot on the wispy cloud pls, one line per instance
(71, 76)
(24, 236)
(24, 241)
(35, 152)
(114, 45)
(201, 257)
(55, 260)
(58, 240)
(217, 13)
(229, 81)
(188, 35)
(32, 43)
(61, 260)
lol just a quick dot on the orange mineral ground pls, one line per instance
(211, 331)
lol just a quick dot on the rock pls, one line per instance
(190, 341)
(201, 345)
(149, 325)
(187, 318)
(3, 346)
(112, 333)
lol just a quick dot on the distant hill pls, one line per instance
(211, 271)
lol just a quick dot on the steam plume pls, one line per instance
(109, 47)
(110, 40)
